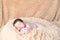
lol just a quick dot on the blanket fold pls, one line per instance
(45, 31)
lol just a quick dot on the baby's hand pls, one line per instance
(25, 30)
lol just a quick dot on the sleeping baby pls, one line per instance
(24, 30)
(22, 27)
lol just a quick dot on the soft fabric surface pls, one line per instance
(47, 31)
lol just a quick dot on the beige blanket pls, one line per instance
(47, 31)
(46, 9)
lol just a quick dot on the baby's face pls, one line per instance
(19, 25)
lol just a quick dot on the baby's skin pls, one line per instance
(20, 26)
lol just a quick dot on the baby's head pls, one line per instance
(19, 24)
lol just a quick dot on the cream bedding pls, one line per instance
(47, 31)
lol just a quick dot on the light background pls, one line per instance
(46, 9)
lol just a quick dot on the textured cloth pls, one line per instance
(47, 31)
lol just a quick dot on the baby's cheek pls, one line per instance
(17, 25)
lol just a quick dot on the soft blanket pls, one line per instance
(44, 31)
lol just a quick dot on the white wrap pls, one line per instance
(46, 31)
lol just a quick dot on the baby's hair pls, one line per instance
(16, 20)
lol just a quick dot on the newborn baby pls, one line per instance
(21, 26)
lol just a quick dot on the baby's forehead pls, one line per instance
(19, 22)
